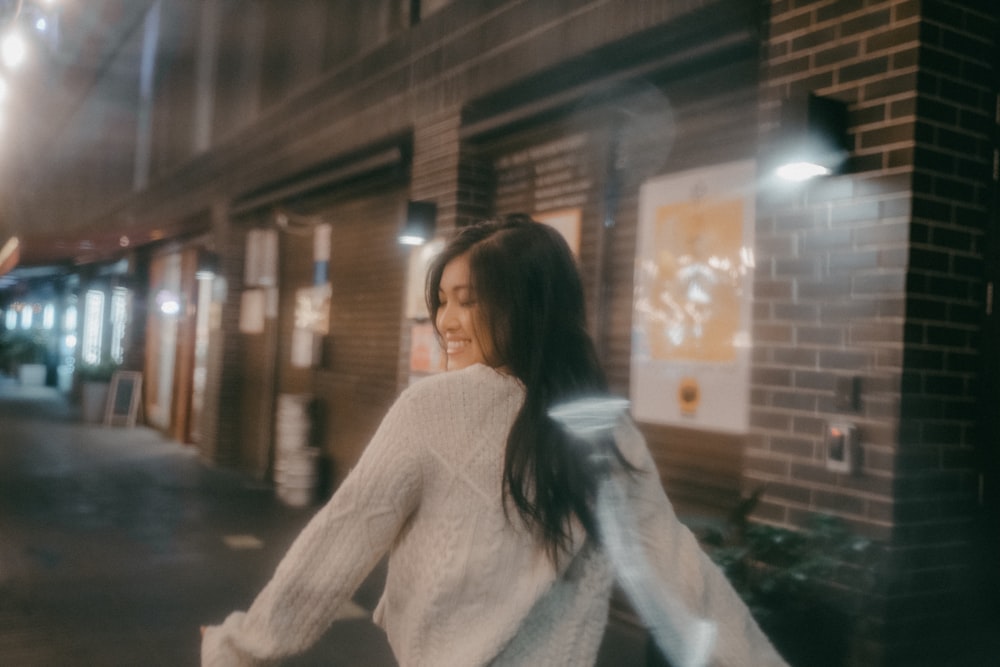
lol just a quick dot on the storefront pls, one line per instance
(319, 297)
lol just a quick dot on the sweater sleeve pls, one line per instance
(684, 569)
(331, 556)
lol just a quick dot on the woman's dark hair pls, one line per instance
(531, 307)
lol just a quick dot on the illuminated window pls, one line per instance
(27, 316)
(11, 319)
(119, 321)
(93, 327)
(48, 316)
(69, 318)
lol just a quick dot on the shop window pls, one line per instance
(69, 333)
(93, 327)
(48, 316)
(69, 317)
(119, 322)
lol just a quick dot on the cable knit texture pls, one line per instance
(465, 585)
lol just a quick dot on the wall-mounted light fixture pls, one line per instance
(168, 302)
(208, 265)
(421, 218)
(812, 139)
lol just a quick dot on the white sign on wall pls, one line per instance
(692, 304)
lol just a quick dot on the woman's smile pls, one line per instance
(456, 317)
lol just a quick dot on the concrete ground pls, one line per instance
(117, 544)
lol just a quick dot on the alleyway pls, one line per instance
(116, 544)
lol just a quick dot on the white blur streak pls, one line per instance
(685, 639)
(589, 418)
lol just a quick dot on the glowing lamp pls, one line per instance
(812, 140)
(421, 218)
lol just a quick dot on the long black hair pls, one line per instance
(531, 308)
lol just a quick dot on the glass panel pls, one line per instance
(93, 327)
(119, 322)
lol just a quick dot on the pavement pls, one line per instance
(116, 544)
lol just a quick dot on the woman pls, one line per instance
(484, 504)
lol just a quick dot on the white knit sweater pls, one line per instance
(464, 587)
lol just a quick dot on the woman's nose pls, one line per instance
(446, 317)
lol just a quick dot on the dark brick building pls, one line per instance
(214, 126)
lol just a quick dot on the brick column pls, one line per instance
(876, 275)
(220, 415)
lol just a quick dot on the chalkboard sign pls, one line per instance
(123, 398)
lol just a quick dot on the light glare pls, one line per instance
(411, 240)
(168, 302)
(12, 50)
(801, 171)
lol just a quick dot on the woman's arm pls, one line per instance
(332, 554)
(683, 569)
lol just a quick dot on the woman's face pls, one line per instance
(457, 316)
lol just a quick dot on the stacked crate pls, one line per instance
(296, 460)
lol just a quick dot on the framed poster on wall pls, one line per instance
(312, 322)
(693, 289)
(416, 277)
(565, 221)
(426, 355)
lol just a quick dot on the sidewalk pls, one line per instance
(116, 544)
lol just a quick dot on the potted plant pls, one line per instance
(23, 353)
(805, 587)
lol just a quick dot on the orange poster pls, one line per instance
(694, 282)
(692, 301)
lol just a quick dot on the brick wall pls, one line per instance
(415, 83)
(831, 263)
(220, 425)
(876, 275)
(936, 481)
(429, 71)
